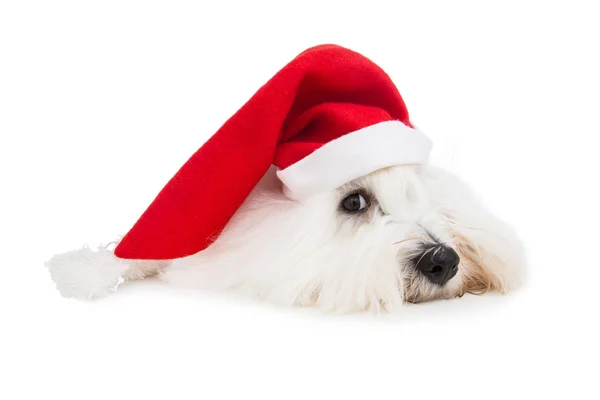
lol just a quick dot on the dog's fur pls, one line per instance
(312, 253)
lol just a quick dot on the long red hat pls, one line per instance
(329, 116)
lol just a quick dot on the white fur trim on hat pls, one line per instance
(353, 155)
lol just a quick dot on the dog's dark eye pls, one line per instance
(354, 203)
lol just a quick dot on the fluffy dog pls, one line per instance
(317, 192)
(401, 234)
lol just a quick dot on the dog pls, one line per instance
(404, 234)
(317, 192)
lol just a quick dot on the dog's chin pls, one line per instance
(314, 253)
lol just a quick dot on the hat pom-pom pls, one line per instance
(88, 274)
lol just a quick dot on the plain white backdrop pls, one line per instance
(102, 102)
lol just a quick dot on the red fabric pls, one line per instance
(324, 93)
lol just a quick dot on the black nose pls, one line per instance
(439, 264)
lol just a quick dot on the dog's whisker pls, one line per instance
(423, 255)
(414, 237)
(453, 222)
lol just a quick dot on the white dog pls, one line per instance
(401, 234)
(361, 223)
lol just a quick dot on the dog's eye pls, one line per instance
(354, 203)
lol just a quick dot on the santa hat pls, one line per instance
(329, 116)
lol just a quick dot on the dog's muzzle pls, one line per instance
(438, 263)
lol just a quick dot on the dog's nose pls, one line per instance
(439, 264)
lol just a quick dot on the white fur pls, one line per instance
(308, 253)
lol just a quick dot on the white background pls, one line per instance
(101, 102)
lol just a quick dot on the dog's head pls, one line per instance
(401, 234)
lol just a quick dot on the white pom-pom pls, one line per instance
(86, 273)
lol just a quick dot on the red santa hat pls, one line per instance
(329, 116)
